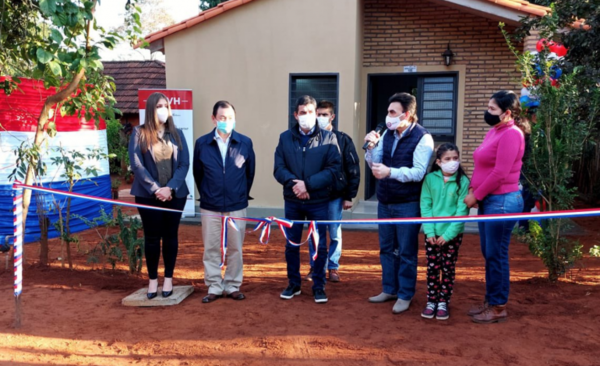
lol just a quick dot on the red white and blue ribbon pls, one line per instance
(265, 233)
(18, 239)
(225, 222)
(92, 198)
(265, 225)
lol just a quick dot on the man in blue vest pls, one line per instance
(399, 159)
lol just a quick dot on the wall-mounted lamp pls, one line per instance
(447, 55)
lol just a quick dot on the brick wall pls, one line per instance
(416, 32)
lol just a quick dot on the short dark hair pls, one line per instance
(408, 103)
(325, 104)
(305, 100)
(222, 104)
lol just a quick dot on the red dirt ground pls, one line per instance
(76, 317)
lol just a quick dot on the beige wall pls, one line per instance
(246, 55)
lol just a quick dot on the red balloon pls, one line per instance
(542, 43)
(555, 83)
(559, 50)
(539, 46)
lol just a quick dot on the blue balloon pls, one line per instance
(529, 102)
(555, 72)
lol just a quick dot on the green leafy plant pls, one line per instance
(51, 40)
(595, 251)
(117, 145)
(72, 162)
(110, 247)
(557, 138)
(128, 233)
(583, 42)
(207, 4)
(115, 184)
(107, 250)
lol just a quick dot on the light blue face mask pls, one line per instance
(226, 126)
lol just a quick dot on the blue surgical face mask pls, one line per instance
(226, 126)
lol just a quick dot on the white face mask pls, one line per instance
(307, 121)
(323, 122)
(162, 114)
(450, 167)
(393, 123)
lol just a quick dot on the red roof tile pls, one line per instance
(133, 75)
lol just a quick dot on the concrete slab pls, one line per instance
(139, 297)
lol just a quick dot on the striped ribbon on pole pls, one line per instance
(18, 250)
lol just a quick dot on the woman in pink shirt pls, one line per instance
(495, 190)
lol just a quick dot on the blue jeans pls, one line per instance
(305, 211)
(398, 249)
(495, 237)
(335, 236)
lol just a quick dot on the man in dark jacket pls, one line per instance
(343, 191)
(224, 165)
(307, 160)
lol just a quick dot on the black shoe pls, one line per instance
(290, 292)
(151, 295)
(320, 296)
(167, 293)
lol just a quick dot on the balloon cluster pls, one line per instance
(557, 48)
(530, 102)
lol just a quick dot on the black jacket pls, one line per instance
(146, 173)
(350, 172)
(317, 163)
(224, 188)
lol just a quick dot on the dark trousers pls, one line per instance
(441, 259)
(160, 225)
(398, 249)
(306, 211)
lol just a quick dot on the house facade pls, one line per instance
(262, 54)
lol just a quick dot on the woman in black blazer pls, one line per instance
(159, 158)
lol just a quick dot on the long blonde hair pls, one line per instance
(149, 130)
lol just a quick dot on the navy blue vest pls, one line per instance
(390, 190)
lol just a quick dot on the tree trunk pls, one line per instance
(44, 241)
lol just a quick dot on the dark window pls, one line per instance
(319, 86)
(437, 107)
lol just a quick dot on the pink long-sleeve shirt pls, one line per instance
(498, 161)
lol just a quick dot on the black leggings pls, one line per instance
(441, 259)
(160, 225)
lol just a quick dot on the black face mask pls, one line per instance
(491, 119)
